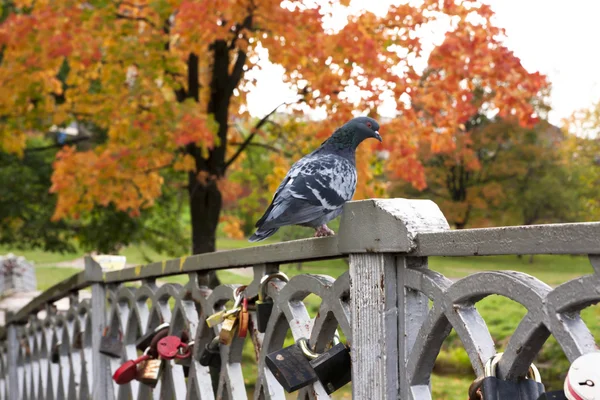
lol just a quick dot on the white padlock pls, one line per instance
(583, 379)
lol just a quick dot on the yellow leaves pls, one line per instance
(106, 175)
(12, 141)
(185, 163)
(232, 226)
(282, 166)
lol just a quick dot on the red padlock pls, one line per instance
(244, 318)
(127, 372)
(169, 348)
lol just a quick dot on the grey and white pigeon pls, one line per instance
(317, 186)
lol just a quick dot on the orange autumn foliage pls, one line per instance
(125, 67)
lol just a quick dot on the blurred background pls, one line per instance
(156, 129)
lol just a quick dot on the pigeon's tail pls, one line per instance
(262, 235)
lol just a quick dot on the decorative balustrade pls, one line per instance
(392, 309)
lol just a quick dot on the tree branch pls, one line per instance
(238, 70)
(264, 146)
(246, 142)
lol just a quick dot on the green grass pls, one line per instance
(39, 256)
(551, 269)
(48, 276)
(453, 372)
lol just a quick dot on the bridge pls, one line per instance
(391, 309)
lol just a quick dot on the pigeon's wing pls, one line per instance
(292, 173)
(316, 188)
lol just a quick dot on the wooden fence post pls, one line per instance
(373, 298)
(102, 387)
(385, 316)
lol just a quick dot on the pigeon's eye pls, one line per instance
(369, 124)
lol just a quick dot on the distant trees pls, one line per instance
(509, 175)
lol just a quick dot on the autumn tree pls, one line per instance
(500, 174)
(166, 80)
(582, 151)
(26, 208)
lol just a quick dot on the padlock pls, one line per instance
(228, 330)
(220, 316)
(144, 342)
(171, 347)
(492, 388)
(78, 341)
(129, 370)
(583, 379)
(149, 371)
(264, 304)
(210, 355)
(186, 362)
(244, 318)
(291, 367)
(215, 319)
(55, 354)
(111, 344)
(333, 367)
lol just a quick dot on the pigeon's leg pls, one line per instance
(324, 230)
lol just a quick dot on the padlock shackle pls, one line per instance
(308, 353)
(214, 343)
(238, 296)
(492, 363)
(187, 351)
(262, 292)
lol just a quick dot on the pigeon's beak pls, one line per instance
(377, 136)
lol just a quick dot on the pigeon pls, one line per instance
(317, 186)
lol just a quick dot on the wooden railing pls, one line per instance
(393, 311)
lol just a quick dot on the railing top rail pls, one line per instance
(414, 227)
(278, 253)
(573, 238)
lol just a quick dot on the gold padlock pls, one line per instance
(149, 371)
(215, 319)
(228, 330)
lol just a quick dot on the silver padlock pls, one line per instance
(583, 379)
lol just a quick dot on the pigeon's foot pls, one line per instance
(323, 231)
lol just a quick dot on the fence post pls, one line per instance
(378, 234)
(373, 300)
(12, 357)
(102, 387)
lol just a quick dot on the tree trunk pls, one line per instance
(205, 208)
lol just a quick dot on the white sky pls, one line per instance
(559, 38)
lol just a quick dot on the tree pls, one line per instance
(166, 78)
(26, 208)
(582, 151)
(501, 174)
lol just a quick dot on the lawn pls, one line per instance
(453, 371)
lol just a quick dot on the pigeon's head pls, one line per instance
(355, 131)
